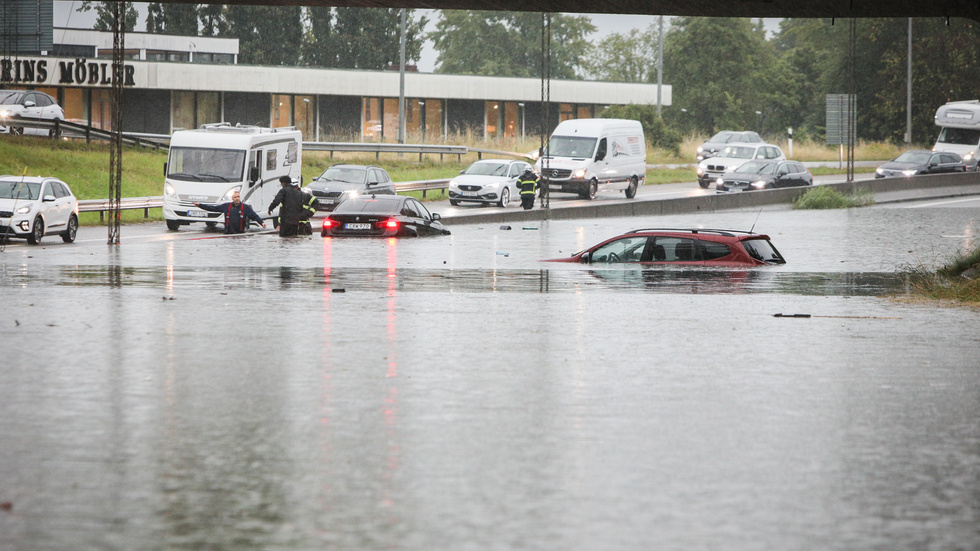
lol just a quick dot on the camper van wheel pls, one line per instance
(593, 188)
(173, 225)
(211, 225)
(631, 189)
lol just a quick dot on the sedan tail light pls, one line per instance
(388, 224)
(328, 223)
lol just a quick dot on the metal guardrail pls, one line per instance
(68, 129)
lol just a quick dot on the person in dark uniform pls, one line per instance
(291, 211)
(309, 209)
(237, 214)
(528, 182)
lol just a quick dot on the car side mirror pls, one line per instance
(373, 183)
(48, 199)
(462, 171)
(436, 216)
(586, 258)
(29, 104)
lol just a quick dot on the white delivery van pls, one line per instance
(208, 164)
(960, 130)
(585, 156)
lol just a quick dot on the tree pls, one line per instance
(657, 132)
(104, 14)
(509, 43)
(212, 19)
(267, 35)
(629, 57)
(177, 19)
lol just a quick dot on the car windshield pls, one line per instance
(917, 157)
(344, 174)
(569, 146)
(763, 251)
(959, 136)
(757, 167)
(722, 137)
(8, 97)
(370, 204)
(197, 164)
(737, 152)
(487, 169)
(20, 190)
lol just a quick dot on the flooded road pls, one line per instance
(195, 391)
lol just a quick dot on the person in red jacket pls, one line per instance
(237, 214)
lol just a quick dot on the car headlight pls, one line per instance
(759, 184)
(700, 171)
(580, 173)
(169, 191)
(700, 150)
(25, 209)
(4, 114)
(720, 181)
(880, 171)
(227, 196)
(910, 172)
(969, 156)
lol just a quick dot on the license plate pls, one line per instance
(357, 226)
(197, 214)
(468, 194)
(553, 186)
(327, 201)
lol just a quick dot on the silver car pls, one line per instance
(490, 181)
(28, 104)
(34, 207)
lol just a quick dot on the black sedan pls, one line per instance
(921, 161)
(382, 216)
(755, 175)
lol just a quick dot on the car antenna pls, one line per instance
(756, 220)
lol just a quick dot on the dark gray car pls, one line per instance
(921, 161)
(755, 175)
(342, 181)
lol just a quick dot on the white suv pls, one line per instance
(28, 104)
(34, 207)
(733, 156)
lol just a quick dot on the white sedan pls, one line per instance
(490, 181)
(37, 206)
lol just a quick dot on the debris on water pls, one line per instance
(6, 506)
(791, 315)
(169, 298)
(505, 227)
(338, 290)
(526, 228)
(502, 253)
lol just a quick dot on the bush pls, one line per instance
(957, 281)
(657, 132)
(823, 197)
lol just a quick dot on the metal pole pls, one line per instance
(401, 84)
(116, 127)
(908, 94)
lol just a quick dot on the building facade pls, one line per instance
(174, 82)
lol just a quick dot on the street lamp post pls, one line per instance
(758, 121)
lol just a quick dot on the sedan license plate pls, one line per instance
(554, 186)
(357, 226)
(197, 213)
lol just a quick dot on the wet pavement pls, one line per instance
(197, 391)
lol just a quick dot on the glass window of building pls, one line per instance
(492, 119)
(584, 112)
(74, 105)
(566, 111)
(371, 119)
(101, 115)
(390, 131)
(182, 110)
(511, 119)
(208, 108)
(281, 110)
(306, 116)
(433, 118)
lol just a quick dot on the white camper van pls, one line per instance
(960, 123)
(208, 164)
(585, 156)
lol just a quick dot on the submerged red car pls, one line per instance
(684, 247)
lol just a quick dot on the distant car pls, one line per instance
(382, 216)
(733, 156)
(342, 181)
(682, 247)
(921, 161)
(715, 143)
(28, 104)
(755, 175)
(34, 207)
(490, 181)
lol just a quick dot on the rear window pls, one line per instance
(373, 205)
(763, 251)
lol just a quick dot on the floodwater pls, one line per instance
(203, 392)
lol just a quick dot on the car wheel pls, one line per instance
(631, 189)
(593, 189)
(68, 236)
(211, 225)
(504, 197)
(17, 130)
(37, 232)
(454, 202)
(703, 184)
(173, 225)
(55, 133)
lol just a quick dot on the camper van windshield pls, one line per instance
(568, 146)
(195, 164)
(959, 136)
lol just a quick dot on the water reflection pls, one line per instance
(390, 279)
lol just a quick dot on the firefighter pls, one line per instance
(528, 182)
(291, 212)
(309, 209)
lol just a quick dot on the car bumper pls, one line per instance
(189, 214)
(481, 196)
(17, 226)
(566, 186)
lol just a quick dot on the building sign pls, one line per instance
(79, 72)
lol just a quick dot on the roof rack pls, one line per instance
(728, 233)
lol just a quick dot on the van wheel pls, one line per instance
(631, 189)
(68, 236)
(37, 232)
(173, 225)
(593, 189)
(504, 197)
